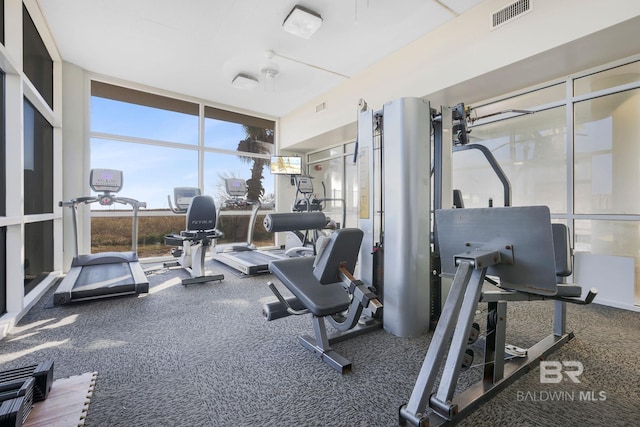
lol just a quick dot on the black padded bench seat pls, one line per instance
(297, 275)
(325, 287)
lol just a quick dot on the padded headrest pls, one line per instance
(343, 246)
(201, 214)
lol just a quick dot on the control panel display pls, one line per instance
(236, 187)
(305, 186)
(106, 180)
(184, 195)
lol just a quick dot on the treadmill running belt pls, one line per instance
(104, 279)
(255, 257)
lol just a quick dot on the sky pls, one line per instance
(151, 172)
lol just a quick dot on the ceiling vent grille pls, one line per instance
(510, 13)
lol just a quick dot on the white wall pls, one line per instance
(613, 276)
(464, 58)
(76, 114)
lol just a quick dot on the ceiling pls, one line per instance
(197, 47)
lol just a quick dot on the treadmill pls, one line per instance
(106, 274)
(244, 257)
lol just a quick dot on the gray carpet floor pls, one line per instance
(204, 356)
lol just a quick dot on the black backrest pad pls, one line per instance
(562, 250)
(344, 246)
(201, 214)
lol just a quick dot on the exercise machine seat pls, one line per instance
(319, 287)
(297, 275)
(201, 215)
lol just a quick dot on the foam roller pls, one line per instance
(292, 221)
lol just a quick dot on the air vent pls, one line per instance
(510, 13)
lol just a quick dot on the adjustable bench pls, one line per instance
(325, 287)
(531, 259)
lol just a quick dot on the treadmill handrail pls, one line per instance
(175, 209)
(252, 220)
(73, 204)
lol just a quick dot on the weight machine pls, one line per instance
(467, 245)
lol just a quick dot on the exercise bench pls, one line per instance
(325, 287)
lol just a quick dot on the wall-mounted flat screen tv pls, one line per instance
(286, 165)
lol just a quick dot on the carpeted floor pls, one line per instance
(204, 356)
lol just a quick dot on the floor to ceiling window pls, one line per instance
(38, 177)
(588, 176)
(157, 142)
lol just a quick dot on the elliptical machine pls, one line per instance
(191, 244)
(304, 230)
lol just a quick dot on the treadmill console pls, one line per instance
(236, 187)
(107, 180)
(184, 195)
(304, 184)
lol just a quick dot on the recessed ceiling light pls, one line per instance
(244, 81)
(302, 22)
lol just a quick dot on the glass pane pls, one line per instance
(141, 121)
(3, 179)
(237, 132)
(327, 184)
(37, 63)
(531, 150)
(2, 21)
(325, 154)
(522, 102)
(113, 233)
(237, 137)
(38, 253)
(607, 154)
(617, 238)
(349, 148)
(150, 172)
(3, 270)
(236, 210)
(612, 77)
(38, 162)
(351, 178)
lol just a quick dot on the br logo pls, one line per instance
(553, 372)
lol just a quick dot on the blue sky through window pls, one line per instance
(152, 171)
